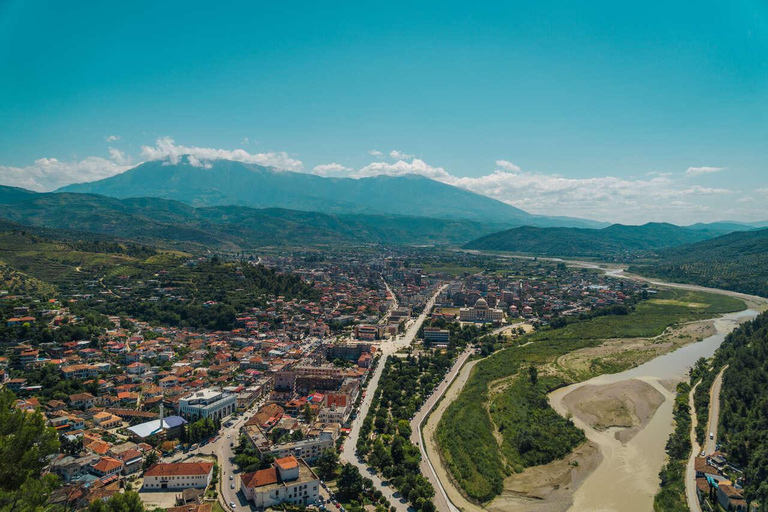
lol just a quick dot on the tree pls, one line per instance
(121, 502)
(533, 374)
(350, 482)
(149, 460)
(25, 443)
(327, 463)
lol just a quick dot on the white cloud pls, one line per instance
(48, 174)
(506, 165)
(401, 168)
(119, 157)
(399, 155)
(166, 149)
(245, 141)
(331, 169)
(112, 138)
(376, 153)
(659, 197)
(696, 171)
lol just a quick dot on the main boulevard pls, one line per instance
(386, 349)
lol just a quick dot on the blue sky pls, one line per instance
(595, 110)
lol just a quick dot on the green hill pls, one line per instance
(616, 241)
(736, 261)
(232, 228)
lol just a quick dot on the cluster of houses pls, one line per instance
(719, 481)
(543, 294)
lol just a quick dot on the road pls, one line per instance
(441, 500)
(392, 306)
(386, 349)
(710, 445)
(690, 469)
(224, 453)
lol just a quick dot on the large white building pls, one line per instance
(207, 403)
(289, 480)
(481, 313)
(178, 475)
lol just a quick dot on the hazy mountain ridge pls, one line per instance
(229, 183)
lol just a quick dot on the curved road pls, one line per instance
(710, 445)
(441, 499)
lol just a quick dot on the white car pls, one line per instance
(232, 504)
(231, 477)
(231, 486)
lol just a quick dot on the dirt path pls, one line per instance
(433, 451)
(441, 499)
(690, 469)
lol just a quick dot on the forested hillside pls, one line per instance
(744, 404)
(230, 228)
(616, 241)
(736, 261)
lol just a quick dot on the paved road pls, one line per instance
(441, 500)
(223, 452)
(710, 445)
(386, 349)
(690, 470)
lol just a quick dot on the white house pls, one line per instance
(289, 480)
(178, 475)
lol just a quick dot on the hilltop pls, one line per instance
(737, 261)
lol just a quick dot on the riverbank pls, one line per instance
(627, 477)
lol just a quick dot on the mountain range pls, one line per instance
(233, 228)
(229, 183)
(613, 242)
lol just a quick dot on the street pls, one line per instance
(710, 442)
(386, 349)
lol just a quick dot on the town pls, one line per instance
(188, 383)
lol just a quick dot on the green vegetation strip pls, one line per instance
(531, 432)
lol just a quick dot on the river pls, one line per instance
(627, 478)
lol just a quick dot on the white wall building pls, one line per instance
(289, 480)
(207, 403)
(178, 475)
(481, 313)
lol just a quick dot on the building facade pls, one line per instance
(481, 312)
(178, 475)
(207, 403)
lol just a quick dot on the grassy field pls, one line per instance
(522, 418)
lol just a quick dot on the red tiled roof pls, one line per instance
(259, 478)
(288, 462)
(180, 468)
(107, 464)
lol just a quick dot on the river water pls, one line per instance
(627, 478)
